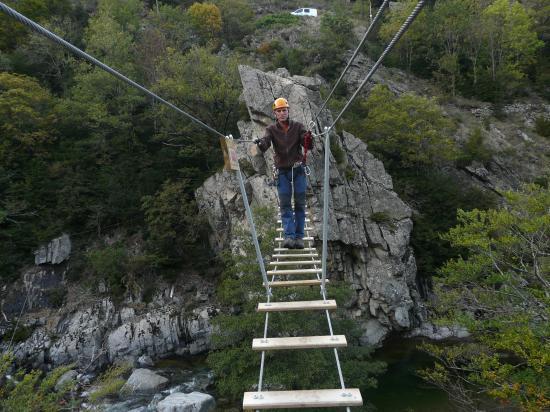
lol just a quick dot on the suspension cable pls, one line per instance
(355, 53)
(395, 39)
(55, 38)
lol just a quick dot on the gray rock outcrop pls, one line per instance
(93, 331)
(55, 252)
(144, 380)
(187, 402)
(369, 226)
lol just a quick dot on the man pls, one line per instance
(288, 137)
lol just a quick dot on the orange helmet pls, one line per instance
(280, 103)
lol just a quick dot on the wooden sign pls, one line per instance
(230, 157)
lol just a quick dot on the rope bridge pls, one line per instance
(287, 262)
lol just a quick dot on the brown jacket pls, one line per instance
(287, 145)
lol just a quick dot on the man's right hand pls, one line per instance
(257, 141)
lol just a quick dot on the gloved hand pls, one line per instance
(257, 141)
(308, 140)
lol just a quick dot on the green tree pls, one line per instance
(407, 130)
(500, 291)
(237, 18)
(451, 25)
(27, 133)
(234, 363)
(12, 33)
(335, 39)
(206, 19)
(174, 230)
(207, 86)
(512, 40)
(413, 44)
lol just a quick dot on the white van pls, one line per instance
(305, 12)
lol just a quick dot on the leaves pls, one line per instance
(501, 292)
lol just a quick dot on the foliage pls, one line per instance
(110, 382)
(542, 126)
(479, 48)
(206, 20)
(474, 149)
(110, 262)
(237, 20)
(208, 86)
(236, 366)
(276, 20)
(328, 50)
(407, 130)
(34, 391)
(27, 132)
(501, 292)
(173, 225)
(12, 33)
(21, 334)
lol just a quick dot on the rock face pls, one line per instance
(518, 153)
(369, 226)
(92, 331)
(55, 252)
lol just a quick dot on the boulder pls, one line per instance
(187, 402)
(65, 378)
(55, 252)
(145, 360)
(144, 380)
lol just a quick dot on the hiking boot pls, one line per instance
(298, 243)
(288, 243)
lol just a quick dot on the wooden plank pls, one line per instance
(300, 342)
(294, 271)
(284, 249)
(280, 221)
(296, 262)
(317, 398)
(280, 239)
(293, 283)
(297, 305)
(295, 255)
(280, 229)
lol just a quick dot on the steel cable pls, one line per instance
(55, 38)
(355, 53)
(395, 39)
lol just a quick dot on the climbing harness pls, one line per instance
(258, 399)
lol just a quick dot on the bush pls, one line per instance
(277, 20)
(336, 150)
(474, 150)
(34, 390)
(56, 296)
(21, 334)
(542, 126)
(110, 262)
(111, 381)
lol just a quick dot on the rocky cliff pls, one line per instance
(369, 226)
(91, 329)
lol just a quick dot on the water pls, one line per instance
(400, 389)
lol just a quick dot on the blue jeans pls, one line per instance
(293, 220)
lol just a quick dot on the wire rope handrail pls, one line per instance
(376, 65)
(55, 38)
(352, 58)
